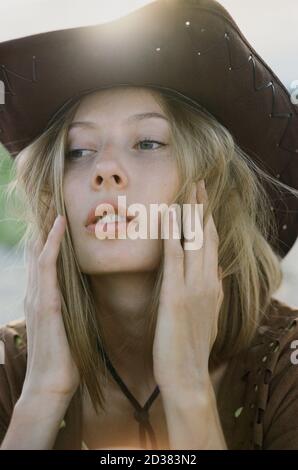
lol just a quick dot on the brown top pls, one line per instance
(257, 400)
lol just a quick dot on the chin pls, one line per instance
(120, 263)
(119, 256)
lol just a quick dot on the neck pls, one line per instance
(122, 300)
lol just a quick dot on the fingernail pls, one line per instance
(194, 190)
(202, 184)
(59, 218)
(176, 233)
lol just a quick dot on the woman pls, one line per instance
(199, 328)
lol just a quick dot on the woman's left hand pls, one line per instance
(190, 300)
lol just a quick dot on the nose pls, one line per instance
(109, 173)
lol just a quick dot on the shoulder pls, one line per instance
(277, 317)
(273, 345)
(12, 367)
(13, 337)
(13, 329)
(271, 364)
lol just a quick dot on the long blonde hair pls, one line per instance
(203, 149)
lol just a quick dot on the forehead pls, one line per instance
(116, 103)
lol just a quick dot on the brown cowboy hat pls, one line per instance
(192, 49)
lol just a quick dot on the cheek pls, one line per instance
(72, 200)
(165, 184)
(67, 191)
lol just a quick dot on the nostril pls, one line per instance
(99, 179)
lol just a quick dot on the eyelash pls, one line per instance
(71, 152)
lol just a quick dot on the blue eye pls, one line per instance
(151, 142)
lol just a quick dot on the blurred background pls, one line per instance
(269, 25)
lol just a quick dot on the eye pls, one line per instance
(75, 154)
(72, 153)
(151, 142)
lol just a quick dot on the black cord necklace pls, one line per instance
(141, 414)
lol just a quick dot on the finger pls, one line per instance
(36, 248)
(201, 192)
(173, 274)
(211, 239)
(51, 215)
(48, 257)
(32, 251)
(220, 296)
(193, 229)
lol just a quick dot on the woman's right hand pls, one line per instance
(51, 370)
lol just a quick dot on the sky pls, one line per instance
(269, 25)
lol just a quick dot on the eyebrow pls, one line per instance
(134, 118)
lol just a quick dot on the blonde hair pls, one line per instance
(203, 149)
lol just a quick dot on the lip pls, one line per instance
(107, 207)
(108, 228)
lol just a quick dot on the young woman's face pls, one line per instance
(113, 162)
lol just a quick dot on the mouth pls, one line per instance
(109, 223)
